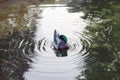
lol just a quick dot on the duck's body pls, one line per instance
(60, 41)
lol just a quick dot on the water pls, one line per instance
(47, 65)
(26, 42)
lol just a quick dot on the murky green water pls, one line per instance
(26, 43)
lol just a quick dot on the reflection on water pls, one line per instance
(16, 43)
(102, 41)
(26, 44)
(50, 64)
(61, 53)
(15, 52)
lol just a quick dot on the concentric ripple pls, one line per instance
(74, 46)
(45, 46)
(47, 65)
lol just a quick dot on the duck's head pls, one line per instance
(63, 44)
(63, 38)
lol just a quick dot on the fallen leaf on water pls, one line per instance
(6, 62)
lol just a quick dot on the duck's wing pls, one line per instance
(56, 36)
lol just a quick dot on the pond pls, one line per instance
(27, 50)
(48, 64)
(29, 54)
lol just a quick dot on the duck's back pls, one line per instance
(62, 46)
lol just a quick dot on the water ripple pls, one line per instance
(48, 65)
(45, 46)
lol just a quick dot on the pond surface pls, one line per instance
(29, 54)
(26, 43)
(48, 64)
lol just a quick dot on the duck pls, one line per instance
(60, 41)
